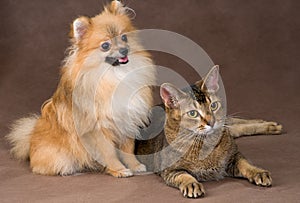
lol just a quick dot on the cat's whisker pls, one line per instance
(234, 115)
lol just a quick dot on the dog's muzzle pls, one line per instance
(117, 61)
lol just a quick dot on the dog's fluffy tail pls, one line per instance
(19, 137)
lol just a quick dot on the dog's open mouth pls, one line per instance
(116, 61)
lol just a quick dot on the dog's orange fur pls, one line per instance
(76, 129)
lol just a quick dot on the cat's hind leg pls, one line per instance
(234, 120)
(185, 182)
(254, 128)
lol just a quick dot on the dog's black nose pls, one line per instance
(123, 51)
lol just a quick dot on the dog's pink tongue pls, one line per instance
(123, 60)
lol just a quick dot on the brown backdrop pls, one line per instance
(255, 42)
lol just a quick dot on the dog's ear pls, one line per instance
(79, 28)
(115, 7)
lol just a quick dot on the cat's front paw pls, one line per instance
(192, 190)
(262, 178)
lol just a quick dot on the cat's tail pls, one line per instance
(19, 137)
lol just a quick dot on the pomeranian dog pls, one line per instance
(102, 100)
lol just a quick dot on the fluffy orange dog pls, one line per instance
(94, 115)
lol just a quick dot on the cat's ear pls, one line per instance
(171, 95)
(115, 7)
(79, 28)
(211, 81)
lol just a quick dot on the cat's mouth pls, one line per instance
(206, 129)
(114, 61)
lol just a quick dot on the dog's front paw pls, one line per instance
(192, 190)
(262, 178)
(124, 173)
(139, 168)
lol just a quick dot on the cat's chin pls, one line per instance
(208, 130)
(205, 132)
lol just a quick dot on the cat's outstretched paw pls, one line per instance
(124, 173)
(262, 178)
(192, 190)
(273, 128)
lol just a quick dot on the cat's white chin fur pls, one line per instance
(208, 129)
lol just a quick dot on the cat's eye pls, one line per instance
(105, 46)
(124, 38)
(215, 106)
(193, 114)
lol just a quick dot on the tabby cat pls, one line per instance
(198, 142)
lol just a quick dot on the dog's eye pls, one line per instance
(124, 38)
(105, 46)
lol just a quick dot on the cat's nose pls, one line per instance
(123, 51)
(210, 121)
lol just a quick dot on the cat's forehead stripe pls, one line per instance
(196, 94)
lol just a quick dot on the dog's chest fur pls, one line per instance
(117, 98)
